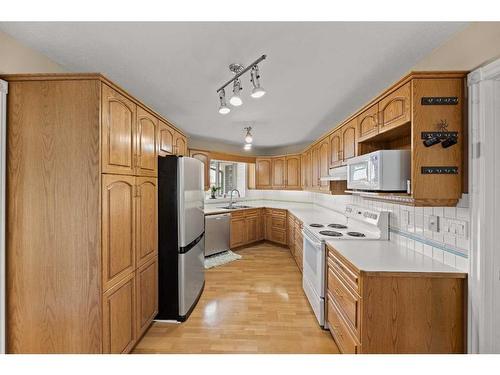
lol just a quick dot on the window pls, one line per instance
(226, 176)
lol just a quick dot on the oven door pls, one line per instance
(313, 277)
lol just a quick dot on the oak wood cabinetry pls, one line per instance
(180, 144)
(324, 163)
(299, 245)
(305, 169)
(349, 141)
(82, 214)
(246, 227)
(204, 157)
(292, 172)
(387, 312)
(395, 109)
(368, 123)
(264, 173)
(291, 233)
(278, 172)
(335, 149)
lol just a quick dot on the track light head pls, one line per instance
(223, 109)
(235, 99)
(248, 136)
(257, 92)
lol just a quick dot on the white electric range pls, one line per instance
(356, 223)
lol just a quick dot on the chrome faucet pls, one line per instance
(239, 196)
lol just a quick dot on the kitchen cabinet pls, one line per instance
(180, 144)
(336, 149)
(315, 167)
(263, 169)
(147, 151)
(119, 311)
(292, 172)
(349, 141)
(324, 163)
(291, 233)
(278, 165)
(204, 157)
(118, 132)
(305, 169)
(395, 109)
(238, 233)
(165, 139)
(252, 226)
(96, 254)
(118, 228)
(147, 219)
(299, 245)
(147, 295)
(368, 123)
(393, 312)
(246, 227)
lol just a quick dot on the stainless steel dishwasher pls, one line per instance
(217, 229)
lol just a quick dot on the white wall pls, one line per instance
(16, 58)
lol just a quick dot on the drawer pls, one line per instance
(252, 212)
(278, 222)
(346, 273)
(278, 236)
(345, 341)
(347, 301)
(277, 212)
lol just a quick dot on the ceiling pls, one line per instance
(316, 73)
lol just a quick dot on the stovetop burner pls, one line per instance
(356, 234)
(338, 226)
(316, 225)
(330, 233)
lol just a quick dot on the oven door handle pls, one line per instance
(315, 243)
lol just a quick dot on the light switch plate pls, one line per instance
(434, 223)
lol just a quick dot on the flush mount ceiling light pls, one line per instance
(238, 71)
(223, 109)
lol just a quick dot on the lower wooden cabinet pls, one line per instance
(395, 312)
(246, 227)
(119, 311)
(146, 295)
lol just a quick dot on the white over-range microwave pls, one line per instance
(384, 170)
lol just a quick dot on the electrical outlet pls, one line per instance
(434, 223)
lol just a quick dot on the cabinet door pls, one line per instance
(324, 163)
(292, 169)
(291, 234)
(335, 149)
(305, 167)
(165, 139)
(263, 173)
(349, 141)
(268, 226)
(315, 167)
(147, 219)
(147, 294)
(368, 123)
(278, 173)
(180, 144)
(118, 228)
(118, 132)
(252, 227)
(238, 232)
(119, 325)
(147, 129)
(260, 226)
(395, 109)
(205, 159)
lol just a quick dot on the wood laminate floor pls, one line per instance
(253, 305)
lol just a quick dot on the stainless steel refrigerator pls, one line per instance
(181, 236)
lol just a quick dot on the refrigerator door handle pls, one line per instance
(185, 249)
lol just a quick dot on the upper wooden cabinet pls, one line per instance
(335, 149)
(118, 132)
(292, 172)
(165, 139)
(204, 157)
(278, 165)
(147, 152)
(349, 141)
(263, 173)
(395, 109)
(315, 167)
(305, 169)
(324, 163)
(368, 123)
(180, 144)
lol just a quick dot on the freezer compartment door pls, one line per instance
(191, 276)
(191, 200)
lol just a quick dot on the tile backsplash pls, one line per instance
(409, 225)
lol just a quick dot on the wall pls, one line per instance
(476, 45)
(16, 58)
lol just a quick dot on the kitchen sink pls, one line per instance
(234, 207)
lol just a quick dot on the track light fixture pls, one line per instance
(239, 70)
(248, 136)
(257, 92)
(223, 109)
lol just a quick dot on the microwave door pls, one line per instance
(359, 175)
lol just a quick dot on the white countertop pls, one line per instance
(387, 256)
(365, 255)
